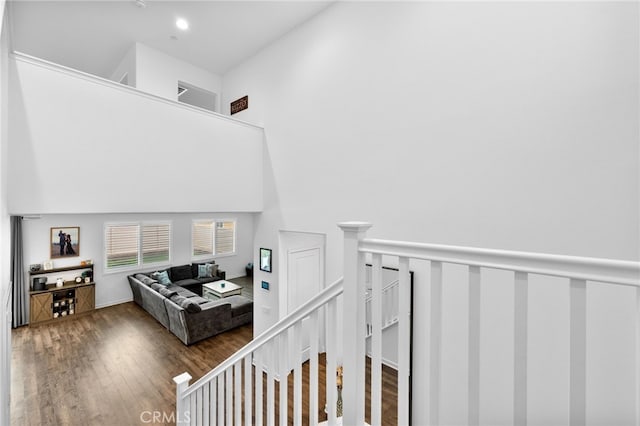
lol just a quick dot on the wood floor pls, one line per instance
(106, 368)
(115, 366)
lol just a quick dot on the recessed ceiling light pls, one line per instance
(182, 24)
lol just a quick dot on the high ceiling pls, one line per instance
(93, 36)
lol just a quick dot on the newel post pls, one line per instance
(353, 324)
(183, 415)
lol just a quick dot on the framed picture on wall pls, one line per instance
(65, 241)
(265, 260)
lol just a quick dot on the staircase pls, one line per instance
(330, 330)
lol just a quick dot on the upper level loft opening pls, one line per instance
(147, 49)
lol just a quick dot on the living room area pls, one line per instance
(120, 347)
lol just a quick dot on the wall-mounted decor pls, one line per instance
(265, 260)
(239, 104)
(65, 241)
(265, 285)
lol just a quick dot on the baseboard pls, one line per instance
(113, 303)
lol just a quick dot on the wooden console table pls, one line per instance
(57, 303)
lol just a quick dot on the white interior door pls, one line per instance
(304, 272)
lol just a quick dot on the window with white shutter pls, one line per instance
(156, 243)
(121, 245)
(130, 245)
(202, 239)
(225, 237)
(212, 238)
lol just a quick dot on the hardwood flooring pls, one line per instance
(115, 366)
(107, 367)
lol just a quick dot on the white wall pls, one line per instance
(113, 288)
(503, 125)
(84, 145)
(159, 73)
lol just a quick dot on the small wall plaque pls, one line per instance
(265, 285)
(240, 104)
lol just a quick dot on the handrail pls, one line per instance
(611, 271)
(331, 292)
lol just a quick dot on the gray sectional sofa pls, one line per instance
(187, 315)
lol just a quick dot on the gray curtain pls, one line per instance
(19, 296)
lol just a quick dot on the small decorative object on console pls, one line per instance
(78, 280)
(59, 282)
(48, 265)
(35, 267)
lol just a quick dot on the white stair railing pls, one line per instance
(577, 271)
(224, 396)
(217, 397)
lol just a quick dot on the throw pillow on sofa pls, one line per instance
(188, 305)
(161, 277)
(163, 290)
(145, 279)
(167, 293)
(204, 271)
(179, 273)
(214, 270)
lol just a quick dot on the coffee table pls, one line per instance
(219, 289)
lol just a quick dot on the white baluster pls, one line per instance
(198, 408)
(283, 359)
(474, 346)
(182, 383)
(237, 391)
(520, 339)
(229, 396)
(214, 403)
(435, 341)
(248, 376)
(354, 323)
(331, 339)
(297, 374)
(404, 340)
(205, 404)
(376, 340)
(193, 411)
(221, 399)
(258, 360)
(313, 368)
(270, 382)
(395, 290)
(578, 351)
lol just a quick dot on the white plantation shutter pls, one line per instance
(121, 245)
(129, 245)
(202, 238)
(225, 237)
(156, 242)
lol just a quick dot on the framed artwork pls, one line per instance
(265, 260)
(65, 241)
